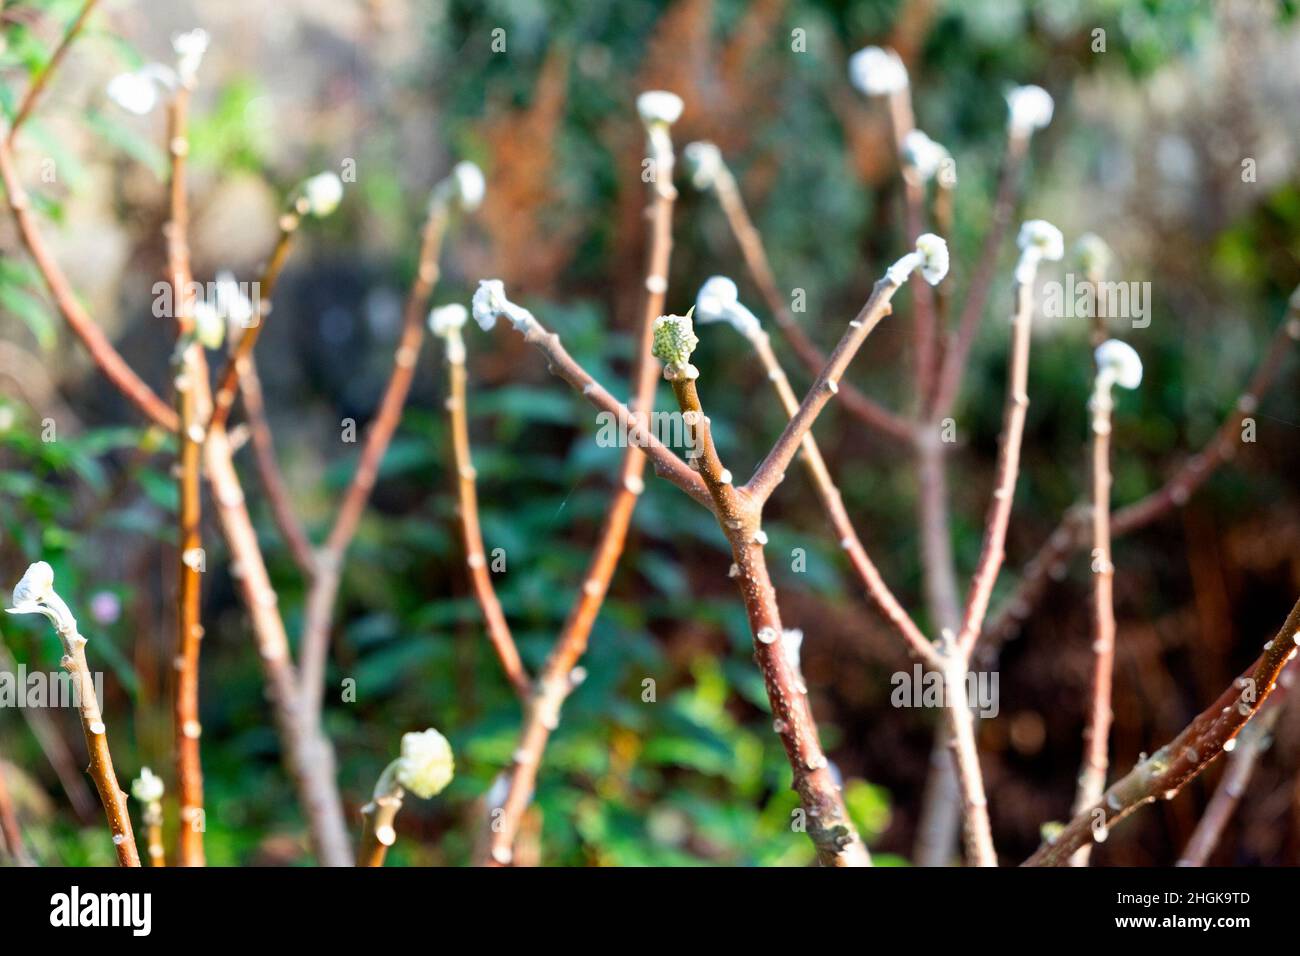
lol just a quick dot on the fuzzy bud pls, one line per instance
(426, 765)
(704, 164)
(490, 301)
(1029, 108)
(320, 195)
(659, 107)
(1094, 254)
(148, 787)
(138, 92)
(465, 187)
(189, 47)
(674, 341)
(877, 72)
(719, 301)
(1039, 241)
(930, 257)
(35, 594)
(929, 159)
(1119, 362)
(446, 322)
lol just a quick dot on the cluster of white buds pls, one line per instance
(148, 787)
(35, 594)
(465, 187)
(674, 341)
(719, 301)
(930, 257)
(1039, 241)
(318, 196)
(426, 765)
(931, 160)
(1094, 254)
(1117, 364)
(138, 92)
(877, 72)
(490, 302)
(1029, 108)
(446, 322)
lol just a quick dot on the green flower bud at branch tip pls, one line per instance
(674, 341)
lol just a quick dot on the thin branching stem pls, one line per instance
(191, 401)
(471, 533)
(555, 681)
(42, 78)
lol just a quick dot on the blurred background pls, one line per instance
(1146, 149)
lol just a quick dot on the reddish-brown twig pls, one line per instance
(772, 468)
(467, 505)
(11, 833)
(191, 400)
(553, 684)
(108, 359)
(833, 504)
(1164, 773)
(1250, 744)
(35, 594)
(1096, 734)
(957, 354)
(307, 752)
(42, 78)
(1071, 534)
(228, 379)
(740, 518)
(747, 236)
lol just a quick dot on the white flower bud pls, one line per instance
(719, 301)
(877, 72)
(934, 257)
(447, 318)
(1094, 254)
(470, 184)
(1119, 362)
(930, 257)
(659, 107)
(1038, 240)
(926, 156)
(704, 164)
(674, 342)
(189, 48)
(209, 325)
(148, 787)
(1043, 236)
(138, 92)
(1029, 108)
(36, 585)
(490, 301)
(426, 765)
(321, 194)
(35, 594)
(446, 322)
